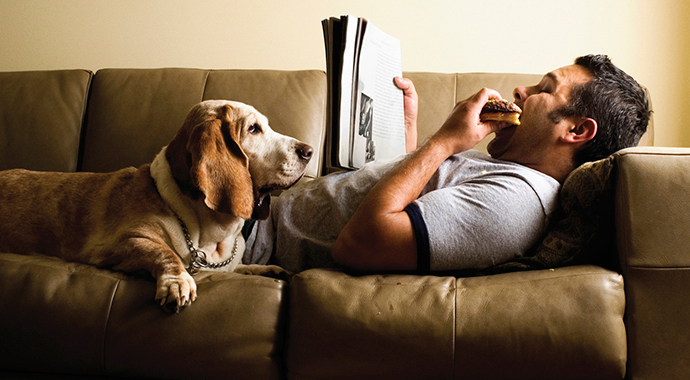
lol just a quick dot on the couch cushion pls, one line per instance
(370, 327)
(41, 115)
(63, 317)
(293, 101)
(562, 323)
(133, 113)
(565, 323)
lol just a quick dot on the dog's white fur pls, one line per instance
(216, 173)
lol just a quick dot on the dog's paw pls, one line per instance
(272, 271)
(175, 292)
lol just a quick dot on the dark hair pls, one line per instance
(615, 100)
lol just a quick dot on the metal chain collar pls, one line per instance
(198, 257)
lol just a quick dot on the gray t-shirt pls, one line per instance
(474, 212)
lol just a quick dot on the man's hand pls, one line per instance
(411, 104)
(463, 130)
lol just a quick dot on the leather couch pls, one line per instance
(68, 320)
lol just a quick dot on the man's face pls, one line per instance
(526, 143)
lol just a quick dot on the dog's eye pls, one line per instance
(254, 129)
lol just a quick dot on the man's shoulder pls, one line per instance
(515, 175)
(499, 167)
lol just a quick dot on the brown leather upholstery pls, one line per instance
(41, 115)
(653, 225)
(560, 324)
(58, 317)
(293, 101)
(371, 327)
(74, 318)
(133, 113)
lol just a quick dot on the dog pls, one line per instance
(182, 212)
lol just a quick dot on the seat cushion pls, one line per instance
(72, 318)
(562, 323)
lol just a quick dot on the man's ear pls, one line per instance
(582, 131)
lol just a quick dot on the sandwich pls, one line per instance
(501, 110)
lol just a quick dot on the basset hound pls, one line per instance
(181, 213)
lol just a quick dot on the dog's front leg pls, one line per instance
(175, 288)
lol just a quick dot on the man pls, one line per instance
(446, 207)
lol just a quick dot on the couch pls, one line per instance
(581, 321)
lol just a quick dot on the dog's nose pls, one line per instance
(304, 152)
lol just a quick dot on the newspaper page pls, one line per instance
(378, 132)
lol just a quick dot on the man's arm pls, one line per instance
(380, 235)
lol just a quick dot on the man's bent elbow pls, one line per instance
(350, 252)
(345, 252)
(354, 254)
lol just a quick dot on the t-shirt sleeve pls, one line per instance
(421, 236)
(479, 223)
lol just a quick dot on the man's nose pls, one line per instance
(520, 94)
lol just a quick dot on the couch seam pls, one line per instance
(658, 268)
(203, 90)
(585, 274)
(107, 324)
(83, 126)
(660, 153)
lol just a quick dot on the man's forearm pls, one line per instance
(402, 185)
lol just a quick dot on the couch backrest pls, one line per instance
(123, 117)
(133, 113)
(41, 114)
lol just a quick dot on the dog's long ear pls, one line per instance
(179, 159)
(219, 166)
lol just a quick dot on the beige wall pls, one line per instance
(647, 38)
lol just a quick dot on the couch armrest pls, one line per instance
(653, 229)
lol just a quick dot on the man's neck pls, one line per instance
(557, 167)
(558, 173)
